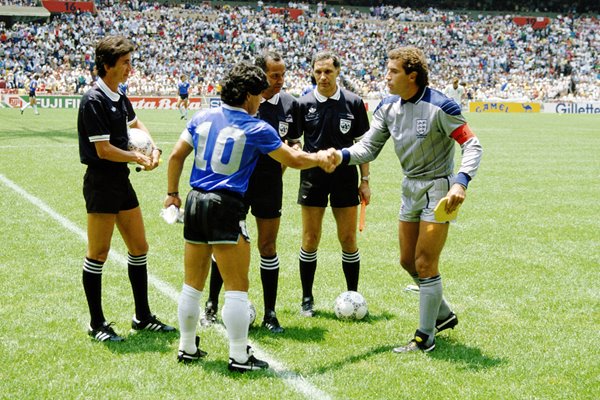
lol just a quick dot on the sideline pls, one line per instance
(292, 379)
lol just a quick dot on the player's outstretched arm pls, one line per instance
(301, 160)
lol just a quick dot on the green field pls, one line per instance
(521, 268)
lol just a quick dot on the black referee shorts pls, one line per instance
(265, 190)
(214, 217)
(108, 191)
(340, 187)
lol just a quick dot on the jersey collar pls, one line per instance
(273, 100)
(417, 97)
(322, 99)
(109, 93)
(227, 106)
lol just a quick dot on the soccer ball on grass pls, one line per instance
(350, 306)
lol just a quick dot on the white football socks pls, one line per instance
(188, 312)
(236, 319)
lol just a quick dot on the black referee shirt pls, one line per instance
(103, 115)
(280, 116)
(331, 123)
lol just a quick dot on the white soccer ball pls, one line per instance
(251, 313)
(350, 306)
(140, 141)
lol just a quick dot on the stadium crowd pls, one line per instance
(490, 54)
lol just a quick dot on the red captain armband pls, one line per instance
(462, 134)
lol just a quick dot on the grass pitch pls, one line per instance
(521, 268)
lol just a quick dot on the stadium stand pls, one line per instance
(491, 53)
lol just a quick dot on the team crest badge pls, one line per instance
(283, 128)
(421, 128)
(345, 125)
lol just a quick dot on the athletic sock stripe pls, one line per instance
(93, 263)
(95, 272)
(430, 281)
(269, 263)
(308, 257)
(137, 260)
(92, 268)
(351, 257)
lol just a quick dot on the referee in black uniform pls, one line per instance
(330, 116)
(102, 123)
(265, 192)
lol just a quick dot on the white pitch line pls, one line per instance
(295, 381)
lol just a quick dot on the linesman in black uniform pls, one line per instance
(330, 116)
(265, 192)
(102, 124)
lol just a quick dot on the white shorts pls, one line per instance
(419, 198)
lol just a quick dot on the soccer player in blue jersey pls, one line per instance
(103, 121)
(33, 85)
(330, 116)
(425, 125)
(265, 192)
(227, 142)
(183, 88)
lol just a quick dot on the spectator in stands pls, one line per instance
(529, 54)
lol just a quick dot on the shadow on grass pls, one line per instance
(297, 333)
(369, 319)
(471, 358)
(140, 342)
(311, 334)
(343, 363)
(219, 366)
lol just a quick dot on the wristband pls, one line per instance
(345, 157)
(173, 194)
(366, 178)
(462, 179)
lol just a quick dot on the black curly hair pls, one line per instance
(243, 78)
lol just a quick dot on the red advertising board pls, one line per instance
(59, 6)
(535, 22)
(293, 12)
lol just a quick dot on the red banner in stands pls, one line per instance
(59, 6)
(293, 12)
(535, 22)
